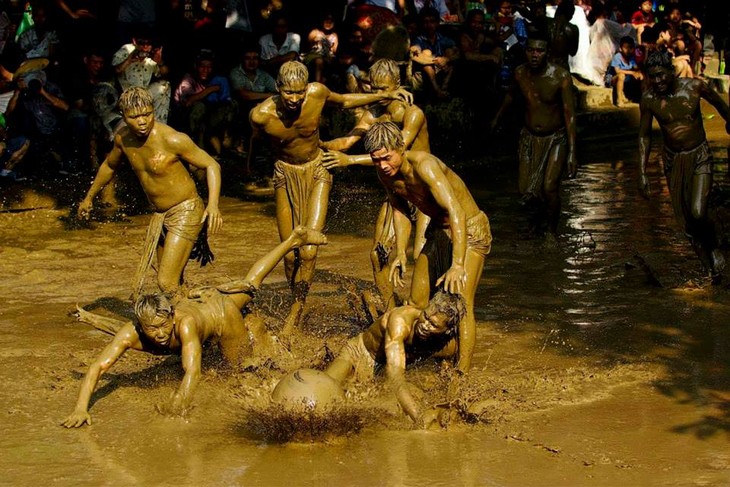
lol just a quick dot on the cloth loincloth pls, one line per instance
(679, 168)
(438, 248)
(183, 220)
(534, 153)
(299, 180)
(355, 352)
(386, 237)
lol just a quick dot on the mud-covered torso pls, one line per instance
(678, 114)
(542, 92)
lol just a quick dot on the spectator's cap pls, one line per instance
(30, 66)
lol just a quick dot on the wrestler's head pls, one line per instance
(155, 315)
(384, 142)
(442, 315)
(536, 50)
(137, 110)
(660, 72)
(292, 85)
(384, 76)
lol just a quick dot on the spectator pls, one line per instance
(440, 6)
(323, 42)
(624, 74)
(204, 103)
(40, 40)
(562, 35)
(280, 45)
(687, 29)
(481, 56)
(643, 18)
(12, 152)
(250, 85)
(137, 64)
(435, 53)
(605, 36)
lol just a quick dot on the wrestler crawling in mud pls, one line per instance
(385, 77)
(458, 236)
(675, 103)
(156, 153)
(548, 138)
(212, 315)
(290, 121)
(405, 334)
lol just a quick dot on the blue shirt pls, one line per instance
(439, 46)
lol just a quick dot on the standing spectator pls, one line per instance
(204, 102)
(624, 74)
(481, 56)
(137, 64)
(323, 43)
(562, 35)
(280, 45)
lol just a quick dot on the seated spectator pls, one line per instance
(643, 18)
(605, 35)
(353, 62)
(204, 104)
(440, 6)
(686, 28)
(39, 108)
(12, 151)
(480, 55)
(280, 45)
(250, 86)
(681, 60)
(434, 53)
(40, 40)
(138, 64)
(323, 43)
(623, 74)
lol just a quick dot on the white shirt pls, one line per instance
(269, 49)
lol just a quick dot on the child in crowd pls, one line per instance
(624, 74)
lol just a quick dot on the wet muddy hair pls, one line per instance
(291, 73)
(135, 99)
(452, 305)
(150, 305)
(659, 59)
(385, 69)
(383, 135)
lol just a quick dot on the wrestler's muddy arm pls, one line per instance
(354, 100)
(431, 173)
(255, 136)
(413, 121)
(396, 334)
(103, 176)
(347, 141)
(124, 340)
(192, 352)
(716, 101)
(644, 145)
(569, 113)
(506, 103)
(188, 151)
(419, 240)
(402, 227)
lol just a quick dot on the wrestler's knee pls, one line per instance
(308, 252)
(698, 210)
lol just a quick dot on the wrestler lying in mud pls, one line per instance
(211, 315)
(405, 334)
(156, 153)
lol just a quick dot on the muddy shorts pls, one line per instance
(362, 361)
(533, 153)
(183, 220)
(299, 180)
(679, 168)
(438, 248)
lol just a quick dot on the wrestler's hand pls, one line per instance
(430, 419)
(401, 94)
(644, 186)
(215, 219)
(84, 209)
(77, 419)
(333, 158)
(397, 271)
(572, 166)
(453, 280)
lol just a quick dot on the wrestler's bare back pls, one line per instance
(294, 136)
(410, 186)
(157, 163)
(543, 94)
(405, 116)
(678, 114)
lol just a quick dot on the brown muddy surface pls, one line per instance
(593, 366)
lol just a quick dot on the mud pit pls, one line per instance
(585, 373)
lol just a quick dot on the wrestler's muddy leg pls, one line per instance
(702, 227)
(474, 265)
(551, 185)
(306, 256)
(380, 259)
(529, 200)
(171, 261)
(234, 342)
(421, 283)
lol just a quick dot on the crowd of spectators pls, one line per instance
(64, 63)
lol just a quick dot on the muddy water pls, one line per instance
(586, 371)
